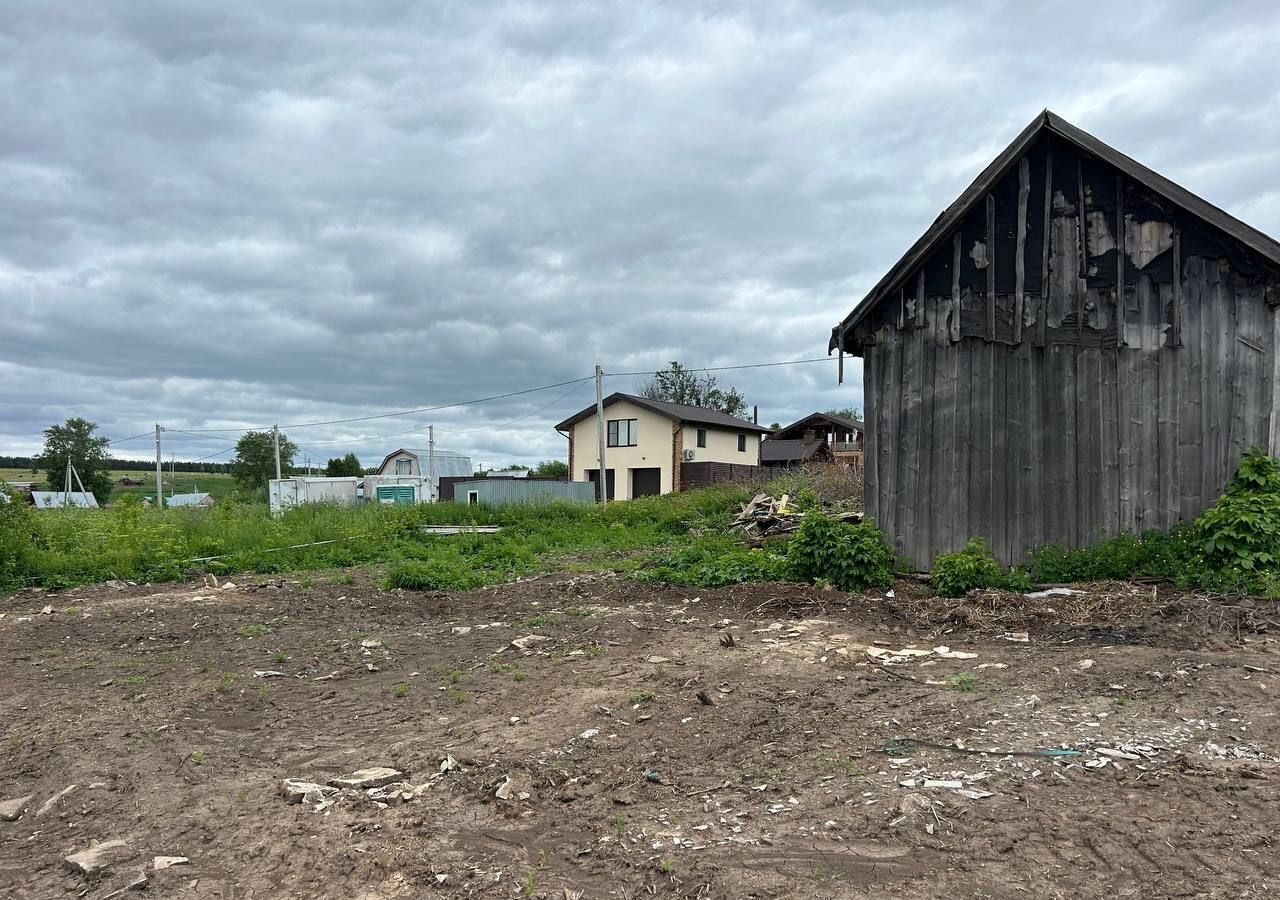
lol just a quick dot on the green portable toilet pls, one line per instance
(395, 493)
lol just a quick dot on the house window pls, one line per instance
(623, 432)
(742, 443)
(404, 467)
(702, 437)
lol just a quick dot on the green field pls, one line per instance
(217, 483)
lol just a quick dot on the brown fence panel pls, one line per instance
(700, 474)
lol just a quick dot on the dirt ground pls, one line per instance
(631, 753)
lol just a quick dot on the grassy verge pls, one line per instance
(60, 548)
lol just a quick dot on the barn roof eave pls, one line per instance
(952, 216)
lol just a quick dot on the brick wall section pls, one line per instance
(677, 454)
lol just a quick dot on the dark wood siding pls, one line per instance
(1114, 390)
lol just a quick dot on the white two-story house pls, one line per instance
(655, 447)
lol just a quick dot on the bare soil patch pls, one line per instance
(755, 741)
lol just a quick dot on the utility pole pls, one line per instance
(159, 471)
(431, 463)
(602, 480)
(66, 484)
(275, 438)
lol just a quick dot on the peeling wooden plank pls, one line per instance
(1175, 326)
(1082, 271)
(1120, 254)
(991, 267)
(1043, 314)
(920, 319)
(1020, 266)
(954, 323)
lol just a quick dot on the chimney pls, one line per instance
(810, 436)
(755, 414)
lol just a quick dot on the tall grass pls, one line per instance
(60, 548)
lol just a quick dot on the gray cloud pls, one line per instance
(229, 214)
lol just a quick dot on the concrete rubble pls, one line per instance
(99, 856)
(12, 810)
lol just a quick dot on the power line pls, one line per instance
(134, 438)
(768, 365)
(390, 415)
(574, 389)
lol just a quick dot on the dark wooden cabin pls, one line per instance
(1076, 348)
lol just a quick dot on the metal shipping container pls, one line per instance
(287, 492)
(501, 491)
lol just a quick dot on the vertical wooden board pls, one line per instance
(1020, 263)
(1109, 437)
(871, 389)
(983, 456)
(962, 365)
(1017, 411)
(951, 460)
(1222, 312)
(1248, 413)
(1033, 484)
(1191, 449)
(1169, 463)
(1149, 341)
(953, 330)
(999, 361)
(1070, 473)
(1045, 245)
(908, 505)
(1133, 417)
(929, 492)
(889, 436)
(1051, 419)
(1088, 471)
(991, 267)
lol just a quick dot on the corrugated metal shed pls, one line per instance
(57, 499)
(502, 491)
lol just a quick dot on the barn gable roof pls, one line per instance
(1052, 123)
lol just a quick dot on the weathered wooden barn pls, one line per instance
(1077, 347)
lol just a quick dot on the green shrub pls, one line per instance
(851, 557)
(443, 574)
(955, 574)
(716, 561)
(1241, 532)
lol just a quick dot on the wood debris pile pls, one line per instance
(765, 516)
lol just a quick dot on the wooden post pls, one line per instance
(1020, 265)
(1120, 255)
(1043, 316)
(840, 354)
(991, 267)
(954, 325)
(1175, 327)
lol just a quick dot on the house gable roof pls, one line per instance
(448, 463)
(842, 421)
(792, 450)
(1051, 123)
(678, 412)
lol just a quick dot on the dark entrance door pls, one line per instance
(646, 482)
(593, 475)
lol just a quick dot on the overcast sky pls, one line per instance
(225, 214)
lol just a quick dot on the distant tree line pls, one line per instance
(122, 465)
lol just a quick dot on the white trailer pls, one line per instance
(288, 492)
